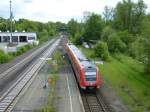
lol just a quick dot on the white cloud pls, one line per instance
(54, 10)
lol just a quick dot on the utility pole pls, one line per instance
(11, 25)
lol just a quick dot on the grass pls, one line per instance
(127, 78)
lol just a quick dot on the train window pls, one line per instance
(90, 76)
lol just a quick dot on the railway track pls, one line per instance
(9, 99)
(24, 61)
(94, 102)
(13, 73)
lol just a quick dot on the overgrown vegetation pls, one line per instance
(55, 64)
(6, 57)
(127, 78)
(125, 29)
(122, 34)
(101, 50)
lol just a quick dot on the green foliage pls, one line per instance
(146, 35)
(126, 76)
(77, 38)
(43, 30)
(43, 36)
(23, 49)
(76, 30)
(115, 44)
(93, 28)
(126, 37)
(4, 58)
(128, 15)
(101, 50)
(73, 27)
(107, 31)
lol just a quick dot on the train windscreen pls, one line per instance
(90, 76)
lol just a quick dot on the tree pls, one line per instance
(122, 16)
(106, 32)
(101, 50)
(128, 16)
(115, 44)
(93, 28)
(146, 42)
(73, 27)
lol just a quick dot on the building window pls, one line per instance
(14, 38)
(23, 38)
(6, 38)
(31, 38)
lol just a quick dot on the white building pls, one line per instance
(18, 37)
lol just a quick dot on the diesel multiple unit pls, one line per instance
(86, 72)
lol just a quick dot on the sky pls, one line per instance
(55, 10)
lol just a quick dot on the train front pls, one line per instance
(91, 76)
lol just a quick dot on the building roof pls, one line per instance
(17, 33)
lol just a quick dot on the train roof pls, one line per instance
(85, 62)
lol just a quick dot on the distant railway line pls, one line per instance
(9, 98)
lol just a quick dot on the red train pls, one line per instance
(86, 72)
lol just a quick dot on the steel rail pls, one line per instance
(10, 97)
(23, 62)
(93, 102)
(17, 68)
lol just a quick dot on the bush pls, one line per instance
(126, 37)
(77, 39)
(107, 31)
(101, 50)
(115, 44)
(23, 49)
(4, 58)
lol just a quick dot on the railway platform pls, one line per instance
(67, 97)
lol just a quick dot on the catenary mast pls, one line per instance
(11, 25)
